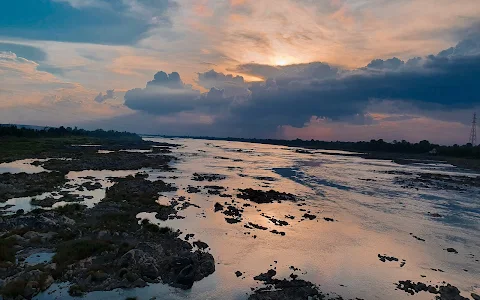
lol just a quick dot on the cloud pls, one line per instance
(110, 94)
(165, 94)
(89, 21)
(295, 93)
(230, 84)
(20, 75)
(314, 70)
(389, 64)
(25, 51)
(448, 83)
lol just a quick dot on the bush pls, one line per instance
(14, 288)
(157, 229)
(69, 252)
(70, 209)
(6, 250)
(117, 221)
(76, 291)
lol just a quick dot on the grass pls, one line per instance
(6, 250)
(116, 221)
(14, 288)
(157, 229)
(76, 290)
(70, 209)
(72, 251)
(14, 148)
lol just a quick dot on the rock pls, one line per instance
(31, 235)
(75, 291)
(206, 267)
(445, 292)
(475, 296)
(232, 211)
(186, 277)
(31, 289)
(309, 216)
(218, 207)
(384, 258)
(266, 277)
(295, 289)
(51, 267)
(18, 239)
(257, 226)
(278, 232)
(232, 220)
(201, 245)
(238, 273)
(207, 177)
(259, 196)
(47, 283)
(103, 234)
(139, 283)
(452, 250)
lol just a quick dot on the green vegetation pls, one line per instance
(116, 221)
(13, 130)
(7, 254)
(76, 291)
(14, 288)
(71, 251)
(70, 209)
(403, 147)
(22, 143)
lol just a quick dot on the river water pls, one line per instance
(373, 215)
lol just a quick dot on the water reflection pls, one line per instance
(373, 215)
(19, 166)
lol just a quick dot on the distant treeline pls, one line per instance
(14, 131)
(423, 147)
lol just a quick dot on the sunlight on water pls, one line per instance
(360, 208)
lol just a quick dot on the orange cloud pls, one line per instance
(202, 9)
(237, 2)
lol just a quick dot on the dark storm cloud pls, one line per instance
(442, 82)
(315, 70)
(293, 94)
(231, 85)
(465, 47)
(389, 64)
(167, 94)
(259, 70)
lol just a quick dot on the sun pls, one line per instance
(281, 62)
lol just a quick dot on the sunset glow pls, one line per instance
(326, 56)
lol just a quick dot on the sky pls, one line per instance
(313, 69)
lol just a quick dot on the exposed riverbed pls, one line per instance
(354, 226)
